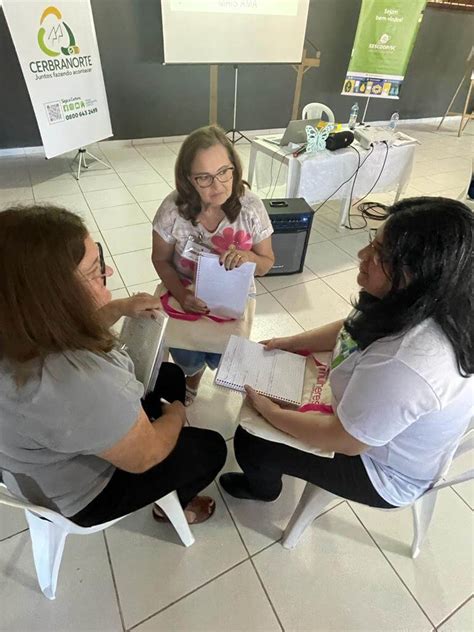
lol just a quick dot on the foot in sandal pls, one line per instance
(198, 510)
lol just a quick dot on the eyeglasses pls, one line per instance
(102, 266)
(377, 255)
(206, 180)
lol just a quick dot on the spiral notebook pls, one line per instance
(225, 292)
(276, 374)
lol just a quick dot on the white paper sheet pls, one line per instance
(276, 374)
(225, 292)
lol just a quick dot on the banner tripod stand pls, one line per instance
(82, 162)
(235, 134)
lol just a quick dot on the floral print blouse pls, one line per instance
(251, 227)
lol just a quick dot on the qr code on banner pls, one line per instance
(54, 112)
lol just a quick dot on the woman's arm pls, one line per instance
(319, 430)
(162, 257)
(140, 305)
(261, 254)
(320, 339)
(147, 444)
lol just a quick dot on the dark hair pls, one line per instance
(427, 252)
(44, 306)
(188, 200)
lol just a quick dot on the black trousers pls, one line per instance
(264, 463)
(193, 464)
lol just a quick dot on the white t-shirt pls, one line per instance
(404, 397)
(252, 226)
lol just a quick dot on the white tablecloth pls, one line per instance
(318, 176)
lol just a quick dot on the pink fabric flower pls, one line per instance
(187, 263)
(240, 239)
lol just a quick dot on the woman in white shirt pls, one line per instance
(210, 209)
(400, 370)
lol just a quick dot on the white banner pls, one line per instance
(57, 48)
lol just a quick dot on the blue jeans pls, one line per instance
(192, 362)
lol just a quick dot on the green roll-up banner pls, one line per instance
(383, 43)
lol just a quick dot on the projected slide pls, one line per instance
(256, 7)
(233, 31)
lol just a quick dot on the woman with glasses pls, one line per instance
(400, 371)
(211, 210)
(75, 434)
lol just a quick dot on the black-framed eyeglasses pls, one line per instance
(206, 179)
(377, 256)
(102, 262)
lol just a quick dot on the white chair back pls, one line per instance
(316, 110)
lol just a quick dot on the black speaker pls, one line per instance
(291, 220)
(338, 140)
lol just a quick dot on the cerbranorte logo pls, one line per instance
(57, 42)
(383, 43)
(54, 32)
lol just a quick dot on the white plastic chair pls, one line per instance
(316, 110)
(314, 500)
(48, 536)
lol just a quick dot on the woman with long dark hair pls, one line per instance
(400, 370)
(75, 433)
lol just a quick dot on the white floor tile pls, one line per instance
(150, 207)
(337, 579)
(117, 216)
(272, 320)
(344, 283)
(145, 176)
(18, 202)
(233, 602)
(441, 577)
(465, 490)
(101, 182)
(461, 621)
(108, 198)
(152, 569)
(148, 287)
(66, 186)
(353, 243)
(154, 191)
(12, 521)
(215, 407)
(136, 267)
(260, 524)
(85, 575)
(259, 288)
(128, 238)
(315, 237)
(11, 195)
(273, 283)
(313, 304)
(327, 258)
(114, 282)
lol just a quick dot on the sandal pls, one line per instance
(198, 510)
(190, 395)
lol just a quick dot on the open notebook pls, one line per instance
(276, 374)
(142, 339)
(225, 292)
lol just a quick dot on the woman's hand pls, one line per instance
(234, 258)
(141, 305)
(175, 408)
(262, 404)
(189, 303)
(285, 344)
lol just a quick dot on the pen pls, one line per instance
(164, 401)
(299, 151)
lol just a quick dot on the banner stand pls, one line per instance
(81, 155)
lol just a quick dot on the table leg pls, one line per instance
(293, 177)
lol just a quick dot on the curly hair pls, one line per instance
(428, 240)
(188, 200)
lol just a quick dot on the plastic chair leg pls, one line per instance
(422, 511)
(47, 540)
(171, 506)
(312, 502)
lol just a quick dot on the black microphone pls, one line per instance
(338, 140)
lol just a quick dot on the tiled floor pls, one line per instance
(351, 570)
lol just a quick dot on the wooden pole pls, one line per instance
(213, 79)
(301, 69)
